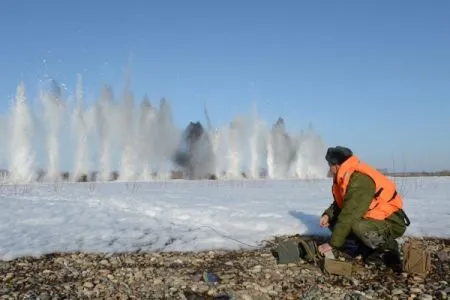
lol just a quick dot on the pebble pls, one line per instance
(44, 296)
(443, 256)
(256, 269)
(397, 292)
(8, 277)
(104, 262)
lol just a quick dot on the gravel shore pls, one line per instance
(245, 274)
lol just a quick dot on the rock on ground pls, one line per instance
(242, 274)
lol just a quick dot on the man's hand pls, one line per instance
(325, 221)
(324, 248)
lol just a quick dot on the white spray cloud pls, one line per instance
(140, 140)
(80, 131)
(21, 153)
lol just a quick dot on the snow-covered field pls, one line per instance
(186, 215)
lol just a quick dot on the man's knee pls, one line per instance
(372, 233)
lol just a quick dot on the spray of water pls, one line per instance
(146, 138)
(21, 154)
(103, 113)
(53, 113)
(310, 165)
(128, 161)
(80, 130)
(254, 164)
(141, 142)
(233, 152)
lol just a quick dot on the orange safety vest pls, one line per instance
(386, 200)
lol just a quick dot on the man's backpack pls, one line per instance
(416, 259)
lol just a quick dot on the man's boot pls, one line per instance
(388, 254)
(392, 257)
(371, 256)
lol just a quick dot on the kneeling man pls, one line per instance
(367, 214)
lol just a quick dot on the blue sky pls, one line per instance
(371, 75)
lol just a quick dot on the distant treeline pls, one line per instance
(411, 174)
(418, 174)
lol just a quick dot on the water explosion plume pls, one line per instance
(119, 139)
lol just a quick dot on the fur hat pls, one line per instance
(337, 155)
